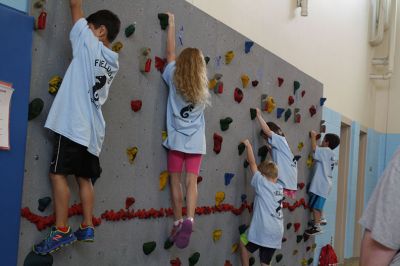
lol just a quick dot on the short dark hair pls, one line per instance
(275, 128)
(109, 20)
(333, 140)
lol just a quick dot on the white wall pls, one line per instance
(331, 44)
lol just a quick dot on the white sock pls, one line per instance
(191, 219)
(178, 221)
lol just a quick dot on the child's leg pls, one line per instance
(86, 193)
(61, 196)
(192, 164)
(317, 216)
(176, 195)
(244, 254)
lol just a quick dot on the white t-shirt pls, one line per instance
(76, 110)
(266, 227)
(284, 159)
(325, 161)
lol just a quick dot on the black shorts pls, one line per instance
(71, 158)
(264, 252)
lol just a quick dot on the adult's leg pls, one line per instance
(61, 196)
(86, 193)
(373, 253)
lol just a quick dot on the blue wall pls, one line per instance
(21, 5)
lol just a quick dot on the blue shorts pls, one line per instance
(316, 202)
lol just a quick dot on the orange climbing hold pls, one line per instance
(163, 179)
(245, 80)
(217, 235)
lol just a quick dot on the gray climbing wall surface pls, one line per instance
(120, 242)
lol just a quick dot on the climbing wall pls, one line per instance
(122, 231)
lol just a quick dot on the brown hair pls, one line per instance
(190, 76)
(275, 128)
(268, 169)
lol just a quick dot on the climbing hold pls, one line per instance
(254, 83)
(296, 227)
(241, 148)
(309, 161)
(164, 135)
(242, 228)
(245, 164)
(299, 238)
(284, 239)
(297, 115)
(267, 103)
(219, 198)
(238, 95)
(224, 123)
(303, 262)
(129, 202)
(132, 152)
(295, 252)
(168, 243)
(322, 101)
(228, 177)
(300, 146)
(313, 247)
(219, 87)
(39, 4)
(199, 179)
(149, 247)
(322, 129)
(54, 84)
(44, 203)
(228, 263)
(145, 60)
(303, 93)
(308, 248)
(163, 20)
(300, 185)
(278, 258)
(218, 76)
(245, 80)
(234, 248)
(313, 110)
(35, 108)
(262, 152)
(117, 47)
(176, 262)
(280, 81)
(160, 63)
(288, 113)
(290, 100)
(296, 86)
(33, 259)
(229, 57)
(253, 113)
(212, 83)
(217, 235)
(279, 112)
(130, 30)
(243, 197)
(163, 179)
(247, 46)
(288, 226)
(207, 59)
(296, 158)
(217, 143)
(252, 260)
(136, 105)
(194, 258)
(310, 261)
(41, 21)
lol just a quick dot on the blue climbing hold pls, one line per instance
(247, 46)
(322, 101)
(279, 112)
(228, 178)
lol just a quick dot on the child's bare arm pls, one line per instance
(265, 128)
(250, 156)
(171, 38)
(313, 136)
(76, 10)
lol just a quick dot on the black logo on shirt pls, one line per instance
(100, 82)
(185, 111)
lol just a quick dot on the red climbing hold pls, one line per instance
(129, 202)
(136, 105)
(238, 95)
(160, 63)
(296, 227)
(176, 262)
(290, 100)
(313, 110)
(199, 179)
(300, 185)
(217, 143)
(41, 23)
(280, 81)
(228, 263)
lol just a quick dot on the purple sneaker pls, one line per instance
(182, 240)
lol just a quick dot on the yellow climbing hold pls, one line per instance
(219, 197)
(304, 262)
(217, 235)
(313, 247)
(270, 104)
(245, 80)
(229, 57)
(132, 152)
(309, 161)
(212, 83)
(117, 47)
(54, 84)
(163, 179)
(234, 248)
(164, 135)
(300, 146)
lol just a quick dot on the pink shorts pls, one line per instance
(177, 158)
(289, 193)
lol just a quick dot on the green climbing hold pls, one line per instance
(163, 20)
(252, 260)
(225, 123)
(310, 261)
(262, 152)
(241, 148)
(149, 247)
(168, 244)
(253, 113)
(278, 258)
(296, 86)
(194, 258)
(299, 238)
(288, 113)
(44, 203)
(288, 226)
(130, 30)
(207, 59)
(33, 259)
(35, 108)
(245, 164)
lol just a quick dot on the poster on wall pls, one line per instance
(6, 92)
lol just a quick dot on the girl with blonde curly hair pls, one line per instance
(186, 77)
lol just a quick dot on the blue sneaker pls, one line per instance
(54, 241)
(85, 234)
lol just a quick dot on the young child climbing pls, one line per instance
(188, 97)
(321, 183)
(281, 155)
(77, 121)
(266, 227)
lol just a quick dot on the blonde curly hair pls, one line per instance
(190, 76)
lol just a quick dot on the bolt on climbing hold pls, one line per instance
(253, 113)
(228, 263)
(136, 105)
(288, 226)
(243, 197)
(312, 110)
(241, 148)
(303, 92)
(163, 179)
(54, 84)
(219, 87)
(310, 261)
(252, 260)
(310, 161)
(296, 158)
(245, 80)
(130, 30)
(176, 262)
(41, 21)
(199, 179)
(262, 152)
(301, 185)
(234, 248)
(217, 143)
(168, 244)
(297, 115)
(247, 46)
(278, 258)
(279, 112)
(238, 95)
(242, 228)
(194, 258)
(280, 81)
(39, 4)
(224, 123)
(296, 227)
(43, 203)
(254, 83)
(212, 83)
(296, 86)
(217, 235)
(300, 146)
(299, 238)
(207, 59)
(160, 63)
(322, 101)
(245, 164)
(129, 202)
(117, 47)
(228, 177)
(163, 20)
(33, 259)
(229, 57)
(303, 262)
(219, 198)
(313, 247)
(290, 100)
(267, 103)
(149, 247)
(132, 152)
(295, 252)
(164, 135)
(288, 113)
(145, 60)
(35, 108)
(284, 239)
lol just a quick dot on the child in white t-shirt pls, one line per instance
(266, 227)
(321, 183)
(281, 155)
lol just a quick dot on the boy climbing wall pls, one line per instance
(77, 121)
